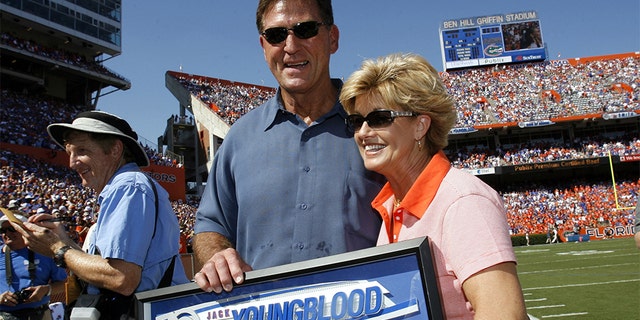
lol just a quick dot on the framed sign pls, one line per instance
(386, 282)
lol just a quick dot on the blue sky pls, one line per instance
(219, 39)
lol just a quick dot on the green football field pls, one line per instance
(588, 280)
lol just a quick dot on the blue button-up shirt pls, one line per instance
(282, 191)
(125, 225)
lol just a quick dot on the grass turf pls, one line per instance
(584, 280)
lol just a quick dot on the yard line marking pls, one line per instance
(576, 258)
(534, 300)
(583, 252)
(579, 268)
(534, 250)
(565, 315)
(545, 307)
(582, 284)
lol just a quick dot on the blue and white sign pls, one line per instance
(396, 285)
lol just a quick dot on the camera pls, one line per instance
(23, 295)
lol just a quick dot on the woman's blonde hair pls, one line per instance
(404, 82)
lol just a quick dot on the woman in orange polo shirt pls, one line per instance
(401, 115)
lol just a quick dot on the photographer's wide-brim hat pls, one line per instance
(104, 123)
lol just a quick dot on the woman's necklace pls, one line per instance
(396, 203)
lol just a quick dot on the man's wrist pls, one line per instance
(58, 257)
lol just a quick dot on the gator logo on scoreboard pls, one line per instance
(326, 301)
(493, 50)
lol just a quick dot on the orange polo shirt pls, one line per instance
(464, 219)
(417, 199)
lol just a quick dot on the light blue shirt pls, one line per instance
(125, 223)
(282, 191)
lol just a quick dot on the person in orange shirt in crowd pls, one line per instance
(81, 229)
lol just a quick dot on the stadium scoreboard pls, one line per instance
(492, 39)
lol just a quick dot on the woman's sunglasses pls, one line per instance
(4, 230)
(302, 30)
(377, 119)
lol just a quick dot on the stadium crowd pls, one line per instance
(522, 90)
(34, 186)
(536, 152)
(62, 56)
(543, 90)
(19, 109)
(571, 206)
(484, 95)
(231, 101)
(490, 95)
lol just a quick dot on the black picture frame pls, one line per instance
(385, 282)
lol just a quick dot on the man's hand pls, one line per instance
(221, 271)
(39, 235)
(40, 239)
(221, 263)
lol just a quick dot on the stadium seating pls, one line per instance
(39, 185)
(17, 109)
(55, 54)
(492, 95)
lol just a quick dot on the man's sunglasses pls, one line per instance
(302, 30)
(377, 119)
(4, 230)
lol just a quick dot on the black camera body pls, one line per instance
(23, 295)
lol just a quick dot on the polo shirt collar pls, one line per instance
(423, 190)
(276, 112)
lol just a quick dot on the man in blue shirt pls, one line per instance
(288, 183)
(135, 243)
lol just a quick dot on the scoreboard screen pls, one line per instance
(489, 40)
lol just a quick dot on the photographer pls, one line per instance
(28, 277)
(136, 242)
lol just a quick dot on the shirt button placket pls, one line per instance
(397, 216)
